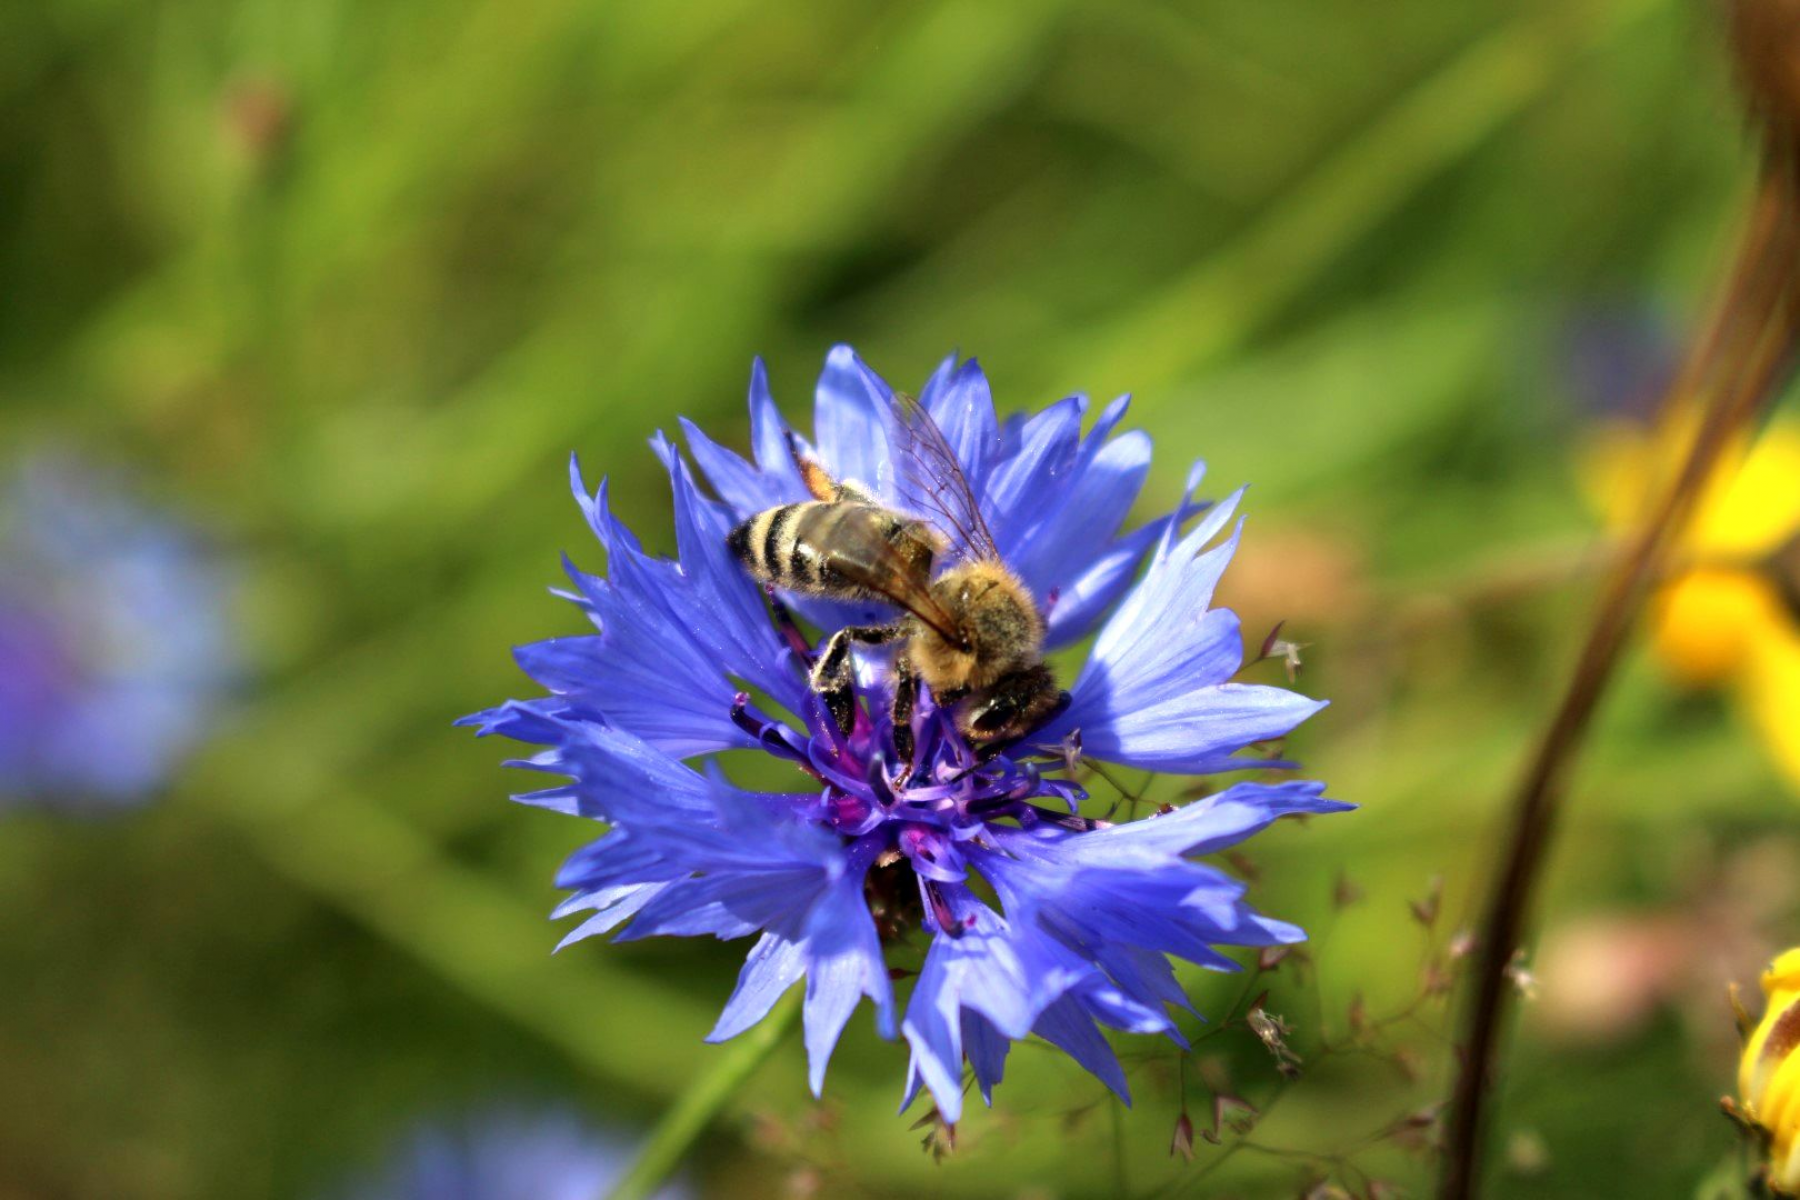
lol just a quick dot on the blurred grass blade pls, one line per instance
(704, 1099)
(1219, 305)
(470, 930)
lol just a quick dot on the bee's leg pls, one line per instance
(787, 626)
(906, 694)
(819, 483)
(832, 676)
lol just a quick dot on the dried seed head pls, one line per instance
(1407, 1061)
(940, 1136)
(1419, 1131)
(1283, 649)
(1230, 1112)
(1183, 1141)
(1425, 910)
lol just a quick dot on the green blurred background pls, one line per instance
(348, 282)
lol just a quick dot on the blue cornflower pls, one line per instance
(688, 662)
(506, 1154)
(114, 643)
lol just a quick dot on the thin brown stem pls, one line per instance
(1731, 373)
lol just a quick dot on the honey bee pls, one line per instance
(973, 635)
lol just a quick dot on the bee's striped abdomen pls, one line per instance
(759, 542)
(802, 546)
(779, 544)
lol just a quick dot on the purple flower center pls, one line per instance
(921, 812)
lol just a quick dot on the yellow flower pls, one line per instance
(1721, 620)
(1769, 1073)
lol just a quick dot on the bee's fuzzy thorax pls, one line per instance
(1005, 630)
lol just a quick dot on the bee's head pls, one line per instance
(1015, 705)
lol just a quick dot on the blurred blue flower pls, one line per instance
(859, 860)
(114, 643)
(506, 1155)
(1619, 360)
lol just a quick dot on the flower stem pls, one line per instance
(1121, 1184)
(695, 1108)
(1736, 368)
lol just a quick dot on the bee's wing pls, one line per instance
(927, 453)
(875, 564)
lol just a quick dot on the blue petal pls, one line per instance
(1112, 1006)
(1020, 482)
(1211, 824)
(1079, 600)
(1145, 975)
(1180, 582)
(986, 1048)
(726, 906)
(1067, 1025)
(723, 607)
(699, 823)
(1055, 505)
(775, 964)
(843, 964)
(1154, 693)
(768, 437)
(1193, 733)
(1082, 598)
(1088, 509)
(646, 669)
(1003, 973)
(613, 864)
(1123, 896)
(677, 639)
(850, 422)
(626, 903)
(540, 722)
(739, 484)
(933, 1028)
